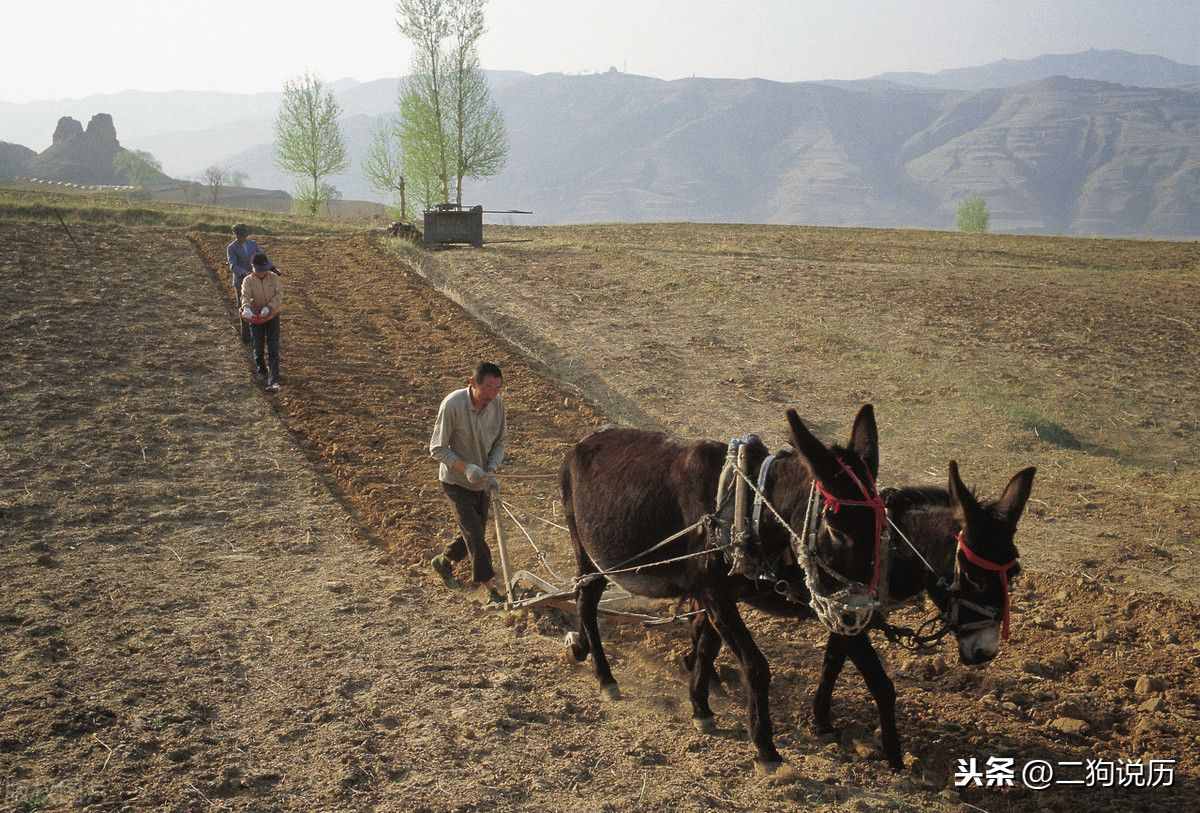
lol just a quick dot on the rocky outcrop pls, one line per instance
(102, 129)
(78, 155)
(67, 129)
(81, 155)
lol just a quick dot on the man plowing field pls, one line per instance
(468, 441)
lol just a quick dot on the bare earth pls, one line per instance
(215, 599)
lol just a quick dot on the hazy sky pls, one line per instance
(80, 47)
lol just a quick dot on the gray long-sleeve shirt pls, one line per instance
(463, 433)
(239, 257)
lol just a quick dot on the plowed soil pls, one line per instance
(213, 598)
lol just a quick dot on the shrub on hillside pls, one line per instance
(973, 215)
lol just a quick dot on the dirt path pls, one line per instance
(215, 600)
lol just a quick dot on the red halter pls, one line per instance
(872, 500)
(979, 561)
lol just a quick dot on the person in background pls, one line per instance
(468, 443)
(261, 298)
(239, 254)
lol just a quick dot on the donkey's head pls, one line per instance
(844, 537)
(985, 565)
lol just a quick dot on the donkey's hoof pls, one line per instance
(610, 691)
(705, 725)
(766, 768)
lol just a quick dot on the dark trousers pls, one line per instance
(237, 290)
(471, 509)
(267, 334)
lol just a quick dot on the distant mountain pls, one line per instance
(189, 130)
(1120, 67)
(1060, 155)
(1056, 155)
(619, 147)
(140, 113)
(1068, 155)
(14, 160)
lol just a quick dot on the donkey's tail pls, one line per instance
(583, 562)
(568, 504)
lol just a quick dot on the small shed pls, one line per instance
(448, 223)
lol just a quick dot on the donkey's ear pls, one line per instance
(813, 453)
(960, 494)
(864, 439)
(1016, 493)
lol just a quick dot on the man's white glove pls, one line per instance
(265, 312)
(246, 312)
(475, 475)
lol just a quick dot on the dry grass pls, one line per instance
(23, 205)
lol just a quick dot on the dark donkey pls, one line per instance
(964, 559)
(625, 490)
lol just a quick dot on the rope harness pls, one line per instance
(709, 522)
(989, 613)
(851, 609)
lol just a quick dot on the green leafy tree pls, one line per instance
(422, 101)
(138, 167)
(384, 164)
(420, 153)
(973, 215)
(308, 140)
(450, 129)
(477, 126)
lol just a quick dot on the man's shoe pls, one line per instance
(445, 569)
(272, 386)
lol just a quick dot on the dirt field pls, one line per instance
(213, 599)
(1077, 356)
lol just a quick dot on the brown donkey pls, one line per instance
(626, 490)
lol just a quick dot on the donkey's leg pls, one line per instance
(755, 673)
(577, 642)
(706, 643)
(835, 659)
(688, 659)
(588, 602)
(863, 654)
